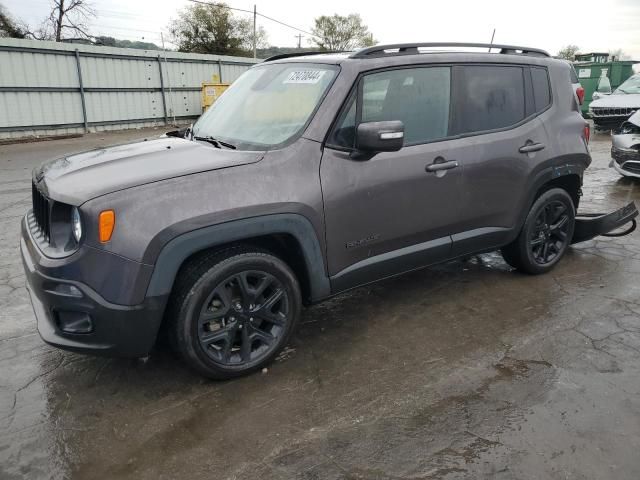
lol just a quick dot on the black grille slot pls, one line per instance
(612, 112)
(41, 212)
(632, 167)
(621, 156)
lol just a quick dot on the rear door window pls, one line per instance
(488, 97)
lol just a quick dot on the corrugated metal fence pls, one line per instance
(49, 88)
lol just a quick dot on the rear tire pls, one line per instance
(545, 235)
(233, 311)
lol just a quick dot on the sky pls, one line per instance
(593, 25)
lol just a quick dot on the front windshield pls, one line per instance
(631, 85)
(267, 105)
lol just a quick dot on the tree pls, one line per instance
(619, 54)
(568, 52)
(213, 28)
(244, 29)
(337, 33)
(70, 16)
(67, 19)
(116, 42)
(271, 51)
(8, 27)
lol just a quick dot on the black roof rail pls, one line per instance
(294, 54)
(412, 49)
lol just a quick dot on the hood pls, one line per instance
(77, 178)
(619, 100)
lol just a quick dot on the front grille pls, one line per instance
(632, 167)
(612, 112)
(41, 213)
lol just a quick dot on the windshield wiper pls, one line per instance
(215, 142)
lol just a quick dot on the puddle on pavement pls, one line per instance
(464, 369)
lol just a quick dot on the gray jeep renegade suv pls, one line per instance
(311, 175)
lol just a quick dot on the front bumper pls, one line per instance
(625, 161)
(116, 330)
(628, 169)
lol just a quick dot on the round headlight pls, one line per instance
(76, 224)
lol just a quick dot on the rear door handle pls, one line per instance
(438, 166)
(531, 147)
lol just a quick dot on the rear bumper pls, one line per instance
(115, 330)
(589, 226)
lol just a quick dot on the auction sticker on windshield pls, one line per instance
(305, 76)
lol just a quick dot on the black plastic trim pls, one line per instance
(176, 251)
(479, 239)
(590, 226)
(117, 330)
(392, 263)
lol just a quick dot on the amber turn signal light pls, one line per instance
(106, 224)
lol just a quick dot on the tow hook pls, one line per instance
(591, 225)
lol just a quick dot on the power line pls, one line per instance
(257, 13)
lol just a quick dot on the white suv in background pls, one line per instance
(611, 111)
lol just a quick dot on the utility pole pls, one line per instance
(164, 50)
(299, 37)
(255, 42)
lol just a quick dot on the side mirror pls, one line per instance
(373, 137)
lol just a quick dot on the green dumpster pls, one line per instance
(600, 72)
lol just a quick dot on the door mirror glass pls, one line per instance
(387, 136)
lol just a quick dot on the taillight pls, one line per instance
(580, 93)
(586, 133)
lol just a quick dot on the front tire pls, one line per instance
(545, 235)
(232, 312)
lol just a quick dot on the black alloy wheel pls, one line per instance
(233, 311)
(243, 317)
(545, 235)
(550, 233)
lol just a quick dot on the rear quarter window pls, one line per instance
(541, 88)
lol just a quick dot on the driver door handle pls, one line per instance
(444, 165)
(531, 147)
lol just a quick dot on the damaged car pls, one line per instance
(625, 147)
(313, 174)
(610, 111)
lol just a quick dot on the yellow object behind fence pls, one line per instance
(211, 91)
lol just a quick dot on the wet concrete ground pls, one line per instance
(468, 370)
